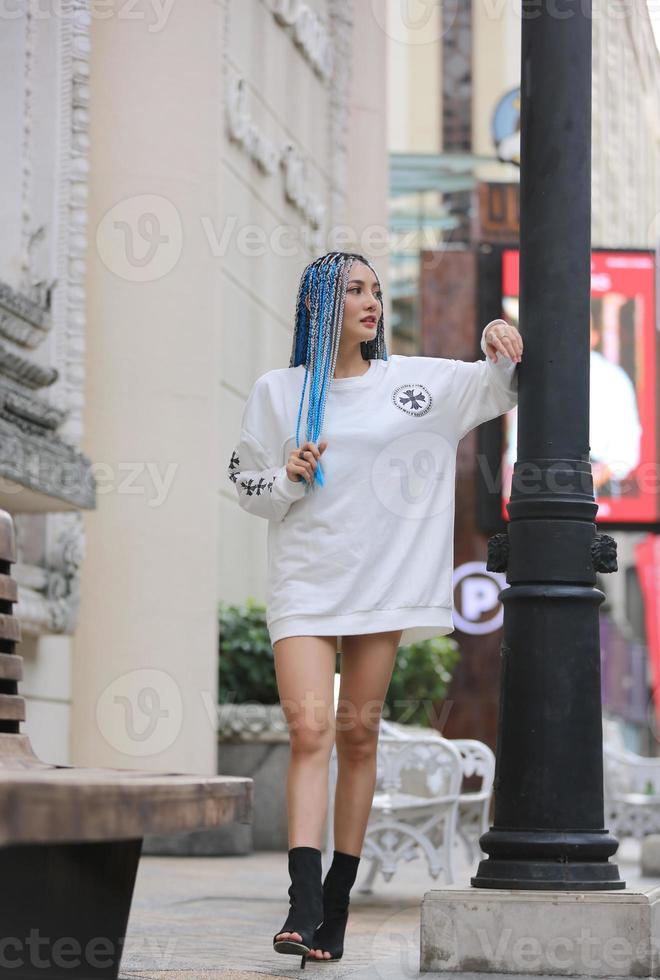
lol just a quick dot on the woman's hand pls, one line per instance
(303, 461)
(504, 338)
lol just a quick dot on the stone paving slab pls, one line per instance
(232, 975)
(213, 918)
(201, 975)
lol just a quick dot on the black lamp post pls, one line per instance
(548, 828)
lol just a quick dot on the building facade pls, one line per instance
(167, 178)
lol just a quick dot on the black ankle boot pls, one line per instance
(306, 900)
(329, 937)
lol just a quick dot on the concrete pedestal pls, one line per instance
(650, 856)
(544, 933)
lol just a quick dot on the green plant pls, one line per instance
(421, 676)
(246, 668)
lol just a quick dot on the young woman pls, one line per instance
(360, 547)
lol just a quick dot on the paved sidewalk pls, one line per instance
(214, 919)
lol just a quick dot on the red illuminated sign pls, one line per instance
(623, 432)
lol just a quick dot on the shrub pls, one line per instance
(247, 670)
(420, 678)
(421, 675)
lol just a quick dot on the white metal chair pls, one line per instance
(631, 785)
(478, 759)
(415, 805)
(473, 819)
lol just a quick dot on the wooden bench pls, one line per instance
(71, 837)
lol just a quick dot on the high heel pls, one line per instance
(329, 937)
(306, 901)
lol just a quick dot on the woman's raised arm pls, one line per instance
(482, 390)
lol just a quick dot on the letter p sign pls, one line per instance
(477, 590)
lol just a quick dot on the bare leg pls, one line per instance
(305, 670)
(366, 670)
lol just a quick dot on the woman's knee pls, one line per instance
(357, 742)
(311, 738)
(305, 668)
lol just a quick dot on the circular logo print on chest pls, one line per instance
(412, 399)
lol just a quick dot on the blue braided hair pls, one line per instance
(317, 332)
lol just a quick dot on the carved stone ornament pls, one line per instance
(498, 552)
(49, 592)
(42, 319)
(603, 553)
(323, 37)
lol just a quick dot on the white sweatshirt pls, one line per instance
(372, 549)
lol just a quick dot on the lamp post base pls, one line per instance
(566, 861)
(580, 876)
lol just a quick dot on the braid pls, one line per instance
(317, 332)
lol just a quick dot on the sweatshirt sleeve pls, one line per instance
(260, 479)
(484, 389)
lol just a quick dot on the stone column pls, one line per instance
(145, 666)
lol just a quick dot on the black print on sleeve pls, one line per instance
(233, 467)
(250, 486)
